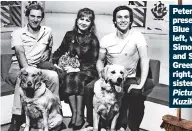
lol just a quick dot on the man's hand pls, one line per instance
(45, 55)
(133, 86)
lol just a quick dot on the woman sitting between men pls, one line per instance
(82, 44)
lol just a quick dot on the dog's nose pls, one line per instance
(29, 83)
(119, 80)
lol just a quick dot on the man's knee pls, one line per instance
(12, 75)
(51, 75)
(51, 80)
(54, 74)
(11, 79)
(135, 92)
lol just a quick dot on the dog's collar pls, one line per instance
(34, 99)
(39, 86)
(111, 86)
(37, 97)
(43, 92)
(105, 85)
(103, 88)
(108, 91)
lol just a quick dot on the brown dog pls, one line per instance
(108, 93)
(42, 108)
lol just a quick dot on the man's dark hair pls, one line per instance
(35, 7)
(123, 8)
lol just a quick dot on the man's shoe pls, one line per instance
(63, 126)
(16, 122)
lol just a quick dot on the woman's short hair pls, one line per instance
(35, 7)
(86, 12)
(123, 8)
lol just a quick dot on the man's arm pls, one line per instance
(144, 64)
(20, 54)
(50, 44)
(100, 61)
(47, 54)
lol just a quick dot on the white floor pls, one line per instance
(151, 120)
(153, 116)
(6, 108)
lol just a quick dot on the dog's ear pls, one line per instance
(42, 76)
(22, 73)
(104, 74)
(125, 74)
(39, 73)
(38, 79)
(22, 77)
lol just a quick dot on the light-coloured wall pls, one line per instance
(107, 7)
(186, 2)
(99, 7)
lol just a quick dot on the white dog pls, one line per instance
(108, 93)
(42, 108)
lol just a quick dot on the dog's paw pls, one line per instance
(26, 127)
(85, 129)
(122, 129)
(102, 129)
(57, 120)
(88, 129)
(95, 129)
(23, 125)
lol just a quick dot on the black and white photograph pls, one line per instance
(87, 66)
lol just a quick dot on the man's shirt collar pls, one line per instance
(27, 33)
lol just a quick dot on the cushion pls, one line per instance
(6, 87)
(5, 65)
(153, 75)
(159, 94)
